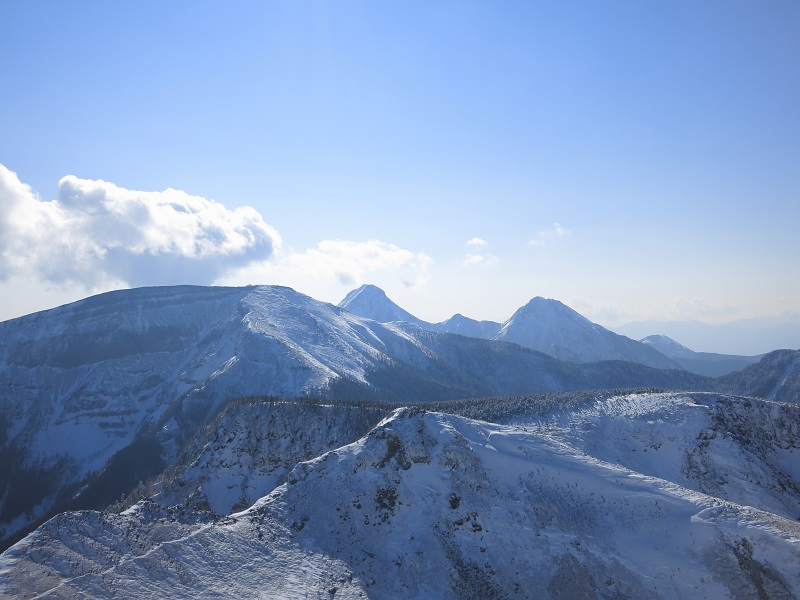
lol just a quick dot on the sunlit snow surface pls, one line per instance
(429, 505)
(740, 449)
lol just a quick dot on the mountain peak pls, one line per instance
(546, 308)
(554, 328)
(371, 302)
(365, 291)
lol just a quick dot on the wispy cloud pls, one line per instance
(100, 236)
(659, 309)
(546, 236)
(349, 262)
(482, 260)
(96, 232)
(337, 263)
(478, 256)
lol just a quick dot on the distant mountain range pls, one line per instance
(371, 302)
(704, 363)
(98, 395)
(746, 337)
(544, 325)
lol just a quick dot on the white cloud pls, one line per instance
(349, 262)
(95, 233)
(343, 262)
(545, 236)
(478, 256)
(474, 260)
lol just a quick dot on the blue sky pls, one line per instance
(633, 159)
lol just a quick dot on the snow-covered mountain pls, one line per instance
(544, 325)
(371, 302)
(668, 347)
(83, 382)
(99, 394)
(605, 500)
(555, 329)
(703, 363)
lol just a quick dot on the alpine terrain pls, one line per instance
(255, 442)
(433, 505)
(102, 393)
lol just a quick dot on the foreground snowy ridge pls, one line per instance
(430, 505)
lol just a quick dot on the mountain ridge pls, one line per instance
(434, 505)
(702, 363)
(139, 371)
(542, 324)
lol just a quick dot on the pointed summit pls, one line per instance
(551, 327)
(549, 309)
(371, 302)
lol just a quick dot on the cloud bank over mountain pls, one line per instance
(95, 231)
(349, 261)
(97, 235)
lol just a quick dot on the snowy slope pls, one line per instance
(555, 329)
(79, 382)
(428, 506)
(703, 363)
(742, 450)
